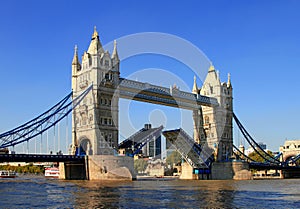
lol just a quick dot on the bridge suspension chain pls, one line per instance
(42, 122)
(254, 144)
(242, 154)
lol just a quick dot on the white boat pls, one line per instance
(8, 174)
(52, 172)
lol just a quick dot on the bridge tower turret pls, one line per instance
(95, 120)
(218, 120)
(198, 133)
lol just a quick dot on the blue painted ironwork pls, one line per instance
(254, 144)
(194, 154)
(40, 158)
(42, 122)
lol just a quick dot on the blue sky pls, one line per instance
(256, 41)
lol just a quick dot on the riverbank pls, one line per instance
(32, 169)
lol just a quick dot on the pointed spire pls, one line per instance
(115, 52)
(195, 88)
(211, 68)
(95, 34)
(229, 81)
(75, 58)
(95, 45)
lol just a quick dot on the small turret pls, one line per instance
(195, 88)
(242, 148)
(229, 81)
(75, 62)
(115, 55)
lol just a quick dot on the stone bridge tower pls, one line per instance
(217, 121)
(95, 120)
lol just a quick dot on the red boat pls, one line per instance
(8, 174)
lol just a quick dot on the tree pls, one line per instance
(140, 165)
(256, 157)
(174, 158)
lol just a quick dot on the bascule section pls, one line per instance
(195, 155)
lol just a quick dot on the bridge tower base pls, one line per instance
(230, 170)
(73, 170)
(110, 167)
(99, 167)
(219, 171)
(286, 174)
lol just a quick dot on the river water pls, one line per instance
(39, 192)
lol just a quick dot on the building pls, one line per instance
(214, 125)
(146, 142)
(260, 144)
(291, 148)
(95, 121)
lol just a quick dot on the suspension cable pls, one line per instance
(31, 129)
(247, 136)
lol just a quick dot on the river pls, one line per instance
(39, 192)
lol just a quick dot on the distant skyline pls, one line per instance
(257, 42)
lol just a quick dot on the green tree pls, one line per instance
(258, 158)
(140, 165)
(174, 158)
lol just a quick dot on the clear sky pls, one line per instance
(256, 41)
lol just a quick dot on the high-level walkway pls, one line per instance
(172, 97)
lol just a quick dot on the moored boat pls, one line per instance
(8, 174)
(52, 172)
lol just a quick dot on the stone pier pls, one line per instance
(99, 167)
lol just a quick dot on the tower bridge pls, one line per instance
(96, 122)
(96, 89)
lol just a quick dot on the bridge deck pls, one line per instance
(40, 158)
(188, 148)
(264, 166)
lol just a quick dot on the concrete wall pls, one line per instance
(110, 167)
(72, 171)
(241, 171)
(290, 174)
(187, 172)
(221, 171)
(230, 170)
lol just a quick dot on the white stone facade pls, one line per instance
(95, 120)
(291, 148)
(216, 121)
